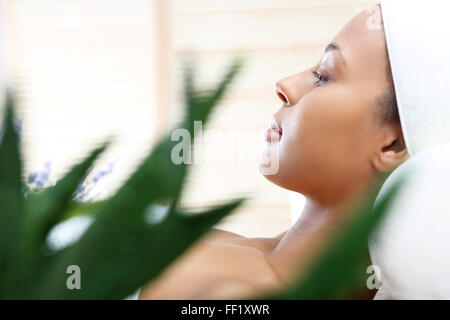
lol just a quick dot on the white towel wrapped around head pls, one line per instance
(418, 42)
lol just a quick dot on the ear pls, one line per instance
(391, 151)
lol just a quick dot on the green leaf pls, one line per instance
(338, 268)
(44, 209)
(120, 220)
(200, 103)
(116, 267)
(10, 198)
(165, 176)
(80, 209)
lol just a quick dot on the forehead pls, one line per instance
(362, 42)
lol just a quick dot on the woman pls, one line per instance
(336, 132)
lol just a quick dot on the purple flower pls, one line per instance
(85, 189)
(39, 178)
(102, 173)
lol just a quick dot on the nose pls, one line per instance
(283, 97)
(291, 89)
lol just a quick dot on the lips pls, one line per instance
(275, 132)
(274, 125)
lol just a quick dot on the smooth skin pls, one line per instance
(333, 147)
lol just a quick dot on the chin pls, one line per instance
(271, 174)
(269, 169)
(263, 171)
(269, 163)
(283, 178)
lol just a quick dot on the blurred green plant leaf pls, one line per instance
(120, 251)
(80, 209)
(11, 201)
(44, 209)
(144, 251)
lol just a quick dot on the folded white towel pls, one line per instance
(411, 246)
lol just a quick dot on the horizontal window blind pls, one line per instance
(84, 70)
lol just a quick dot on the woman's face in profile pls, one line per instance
(330, 130)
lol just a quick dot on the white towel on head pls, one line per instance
(418, 42)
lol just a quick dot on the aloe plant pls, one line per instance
(120, 251)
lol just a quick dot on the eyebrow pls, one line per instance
(333, 46)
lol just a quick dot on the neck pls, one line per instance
(304, 239)
(310, 234)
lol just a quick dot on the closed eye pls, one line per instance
(320, 78)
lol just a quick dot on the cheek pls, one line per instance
(325, 137)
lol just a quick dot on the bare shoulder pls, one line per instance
(214, 269)
(221, 235)
(263, 244)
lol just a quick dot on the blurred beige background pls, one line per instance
(85, 69)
